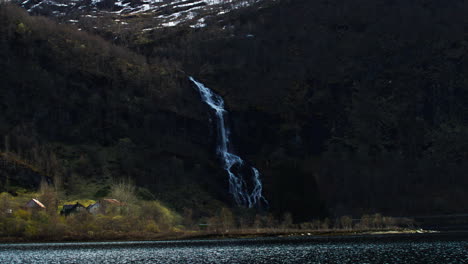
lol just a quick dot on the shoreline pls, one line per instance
(203, 235)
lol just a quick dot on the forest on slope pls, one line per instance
(86, 113)
(345, 107)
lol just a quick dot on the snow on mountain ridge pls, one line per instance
(167, 13)
(127, 6)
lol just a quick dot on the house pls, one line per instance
(34, 204)
(111, 202)
(72, 208)
(103, 205)
(94, 208)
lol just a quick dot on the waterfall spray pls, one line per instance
(237, 185)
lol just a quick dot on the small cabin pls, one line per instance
(68, 209)
(111, 202)
(94, 208)
(34, 204)
(102, 206)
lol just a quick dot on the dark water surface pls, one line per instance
(427, 248)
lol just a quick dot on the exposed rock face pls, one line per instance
(17, 173)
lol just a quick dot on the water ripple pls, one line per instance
(241, 251)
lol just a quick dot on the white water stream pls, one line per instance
(237, 184)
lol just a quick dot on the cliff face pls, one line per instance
(363, 99)
(345, 108)
(14, 172)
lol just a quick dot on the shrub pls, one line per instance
(325, 224)
(31, 229)
(346, 222)
(287, 220)
(151, 226)
(154, 210)
(22, 214)
(124, 191)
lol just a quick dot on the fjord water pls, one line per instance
(380, 249)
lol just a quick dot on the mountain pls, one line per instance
(101, 110)
(344, 108)
(161, 13)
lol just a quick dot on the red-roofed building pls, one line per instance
(35, 204)
(102, 206)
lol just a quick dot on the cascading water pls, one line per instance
(237, 185)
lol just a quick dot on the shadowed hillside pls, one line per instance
(344, 107)
(368, 98)
(102, 112)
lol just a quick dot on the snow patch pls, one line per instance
(168, 13)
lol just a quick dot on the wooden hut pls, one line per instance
(103, 205)
(68, 209)
(34, 204)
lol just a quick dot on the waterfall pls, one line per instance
(237, 184)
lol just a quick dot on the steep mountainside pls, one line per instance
(157, 13)
(89, 113)
(344, 107)
(367, 98)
